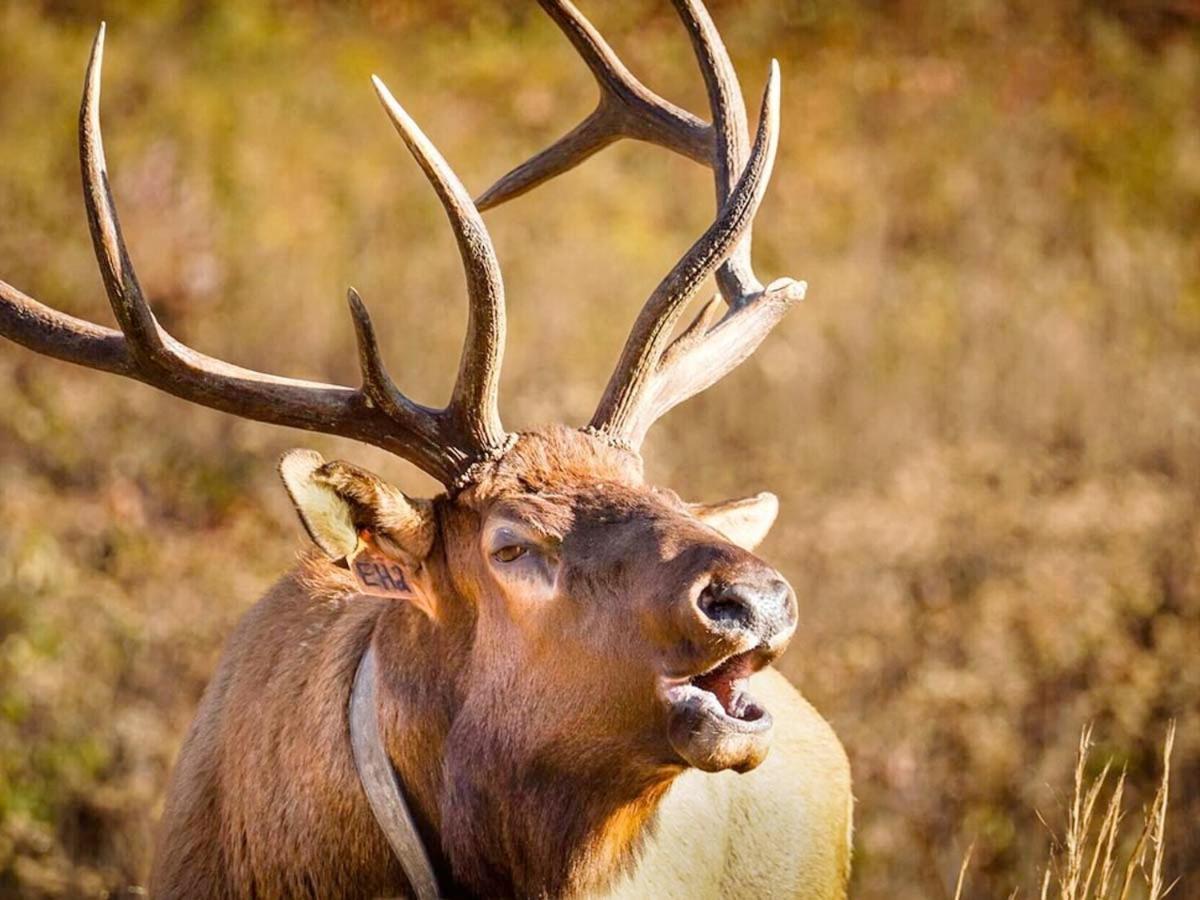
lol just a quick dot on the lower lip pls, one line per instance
(679, 694)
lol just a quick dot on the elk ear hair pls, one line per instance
(745, 521)
(325, 514)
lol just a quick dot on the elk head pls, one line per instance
(621, 622)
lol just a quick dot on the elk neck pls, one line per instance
(501, 813)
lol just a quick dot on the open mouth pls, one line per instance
(723, 689)
(713, 722)
(726, 683)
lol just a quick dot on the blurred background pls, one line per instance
(983, 423)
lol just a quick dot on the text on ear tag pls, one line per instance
(379, 575)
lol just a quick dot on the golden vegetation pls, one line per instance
(1086, 865)
(983, 423)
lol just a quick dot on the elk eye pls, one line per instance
(510, 553)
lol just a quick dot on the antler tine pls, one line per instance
(644, 385)
(424, 424)
(444, 443)
(474, 405)
(731, 137)
(627, 109)
(145, 338)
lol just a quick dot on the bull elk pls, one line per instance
(545, 681)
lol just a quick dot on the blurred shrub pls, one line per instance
(983, 424)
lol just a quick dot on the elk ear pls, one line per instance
(745, 522)
(338, 501)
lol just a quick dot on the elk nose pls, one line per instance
(764, 608)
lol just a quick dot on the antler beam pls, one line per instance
(443, 442)
(654, 372)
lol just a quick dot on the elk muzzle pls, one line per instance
(743, 620)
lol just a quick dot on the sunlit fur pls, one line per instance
(528, 735)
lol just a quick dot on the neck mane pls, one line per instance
(499, 820)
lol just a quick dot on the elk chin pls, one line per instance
(713, 723)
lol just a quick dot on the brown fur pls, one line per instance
(527, 736)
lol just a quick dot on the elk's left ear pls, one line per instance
(745, 522)
(337, 502)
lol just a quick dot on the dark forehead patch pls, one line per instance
(582, 507)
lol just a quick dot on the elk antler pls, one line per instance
(443, 442)
(655, 373)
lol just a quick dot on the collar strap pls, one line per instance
(382, 788)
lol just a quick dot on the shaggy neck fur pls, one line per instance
(499, 818)
(541, 824)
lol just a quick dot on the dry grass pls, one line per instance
(983, 424)
(1085, 864)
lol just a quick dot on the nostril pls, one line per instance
(727, 604)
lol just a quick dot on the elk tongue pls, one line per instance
(727, 682)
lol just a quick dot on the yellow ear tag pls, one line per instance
(378, 574)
